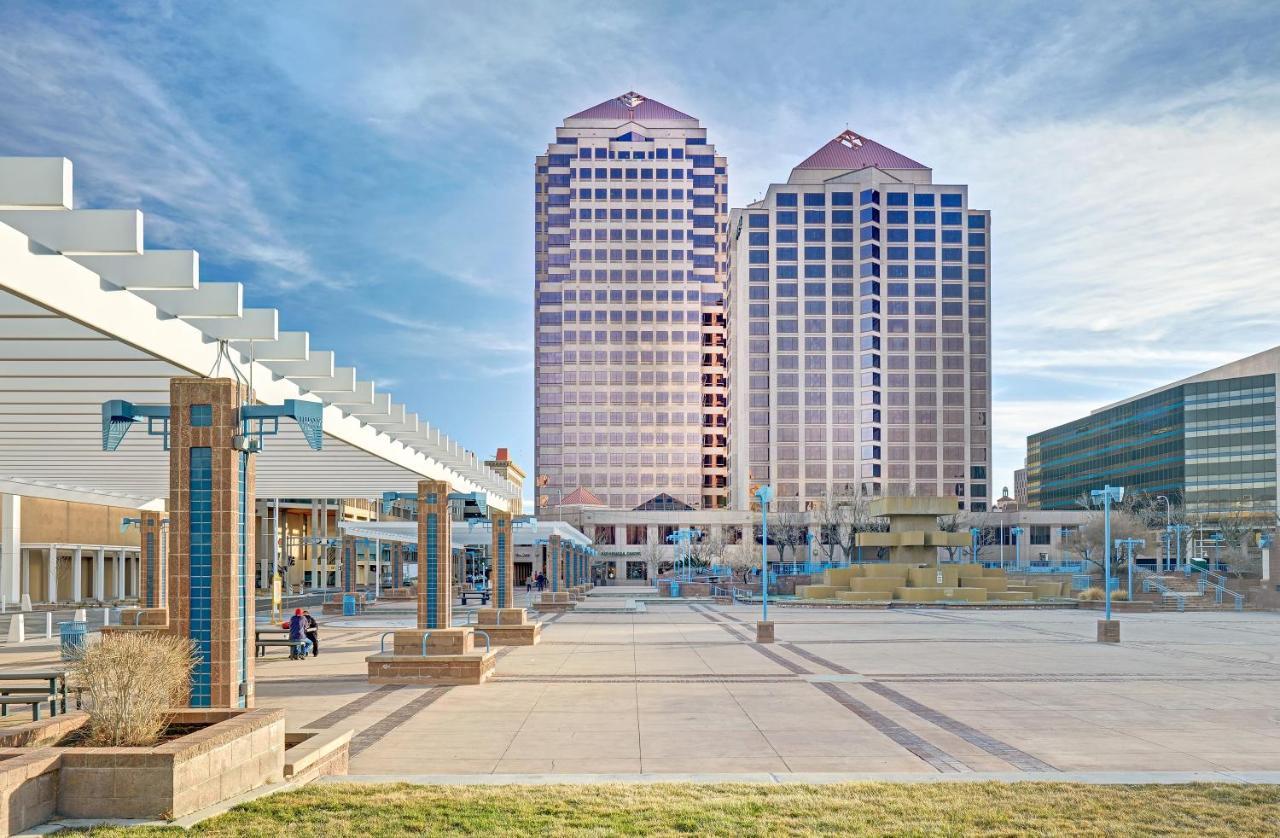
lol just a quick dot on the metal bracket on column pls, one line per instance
(259, 420)
(119, 415)
(389, 498)
(475, 502)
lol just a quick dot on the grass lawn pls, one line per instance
(759, 810)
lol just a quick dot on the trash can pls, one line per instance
(348, 605)
(675, 589)
(73, 634)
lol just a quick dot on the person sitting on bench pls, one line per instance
(297, 627)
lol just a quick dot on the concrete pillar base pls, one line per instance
(1108, 631)
(510, 634)
(764, 631)
(451, 659)
(501, 616)
(557, 601)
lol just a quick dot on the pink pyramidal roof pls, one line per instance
(850, 152)
(581, 497)
(629, 106)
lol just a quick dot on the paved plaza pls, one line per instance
(684, 689)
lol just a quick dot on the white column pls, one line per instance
(11, 547)
(26, 571)
(119, 574)
(137, 575)
(100, 574)
(377, 568)
(51, 573)
(76, 593)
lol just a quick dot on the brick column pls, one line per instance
(553, 563)
(435, 556)
(210, 567)
(152, 554)
(348, 564)
(503, 568)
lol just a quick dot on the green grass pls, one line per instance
(752, 810)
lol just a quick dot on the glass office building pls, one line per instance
(1209, 440)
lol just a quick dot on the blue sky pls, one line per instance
(366, 167)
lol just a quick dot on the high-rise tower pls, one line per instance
(631, 210)
(859, 342)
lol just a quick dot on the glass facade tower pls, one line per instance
(858, 332)
(630, 225)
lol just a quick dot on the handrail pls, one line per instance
(487, 644)
(425, 635)
(1219, 590)
(137, 617)
(382, 642)
(1150, 580)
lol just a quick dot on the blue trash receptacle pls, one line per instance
(675, 589)
(73, 634)
(349, 605)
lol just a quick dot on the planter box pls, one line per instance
(238, 751)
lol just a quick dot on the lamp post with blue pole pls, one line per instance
(1175, 533)
(764, 628)
(1016, 532)
(1108, 629)
(1128, 545)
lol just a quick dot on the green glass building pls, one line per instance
(1209, 440)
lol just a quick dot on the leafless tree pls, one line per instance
(651, 555)
(1088, 541)
(741, 558)
(840, 517)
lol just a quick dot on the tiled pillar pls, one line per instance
(51, 573)
(348, 564)
(76, 593)
(100, 574)
(553, 562)
(435, 556)
(397, 564)
(211, 490)
(152, 569)
(503, 568)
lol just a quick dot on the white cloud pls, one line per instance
(81, 97)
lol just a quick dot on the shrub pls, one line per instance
(1119, 595)
(1091, 595)
(132, 680)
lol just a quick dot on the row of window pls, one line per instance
(760, 238)
(603, 153)
(790, 218)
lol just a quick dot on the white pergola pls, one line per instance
(523, 534)
(87, 315)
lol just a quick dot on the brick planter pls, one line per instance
(238, 751)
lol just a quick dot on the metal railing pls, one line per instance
(1219, 590)
(1151, 582)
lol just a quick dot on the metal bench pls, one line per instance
(483, 595)
(297, 647)
(34, 700)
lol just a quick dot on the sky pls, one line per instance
(367, 167)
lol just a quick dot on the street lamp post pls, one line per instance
(1168, 522)
(1016, 532)
(764, 628)
(1108, 629)
(1128, 544)
(1175, 533)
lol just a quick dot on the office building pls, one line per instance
(858, 333)
(630, 227)
(1208, 440)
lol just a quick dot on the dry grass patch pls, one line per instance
(132, 680)
(754, 810)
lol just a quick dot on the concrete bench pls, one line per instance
(297, 647)
(34, 700)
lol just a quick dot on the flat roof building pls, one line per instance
(1208, 440)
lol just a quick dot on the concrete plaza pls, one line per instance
(684, 689)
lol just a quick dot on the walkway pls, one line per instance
(682, 689)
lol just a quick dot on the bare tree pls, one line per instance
(741, 558)
(651, 555)
(1238, 529)
(791, 528)
(1088, 541)
(840, 517)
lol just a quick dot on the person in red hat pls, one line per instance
(297, 627)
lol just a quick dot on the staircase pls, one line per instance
(1180, 592)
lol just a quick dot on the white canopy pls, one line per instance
(87, 315)
(465, 534)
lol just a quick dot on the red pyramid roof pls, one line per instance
(581, 497)
(851, 151)
(631, 106)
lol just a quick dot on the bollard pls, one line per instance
(26, 602)
(106, 616)
(80, 616)
(17, 629)
(48, 625)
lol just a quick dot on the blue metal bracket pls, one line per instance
(389, 498)
(259, 420)
(475, 502)
(119, 415)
